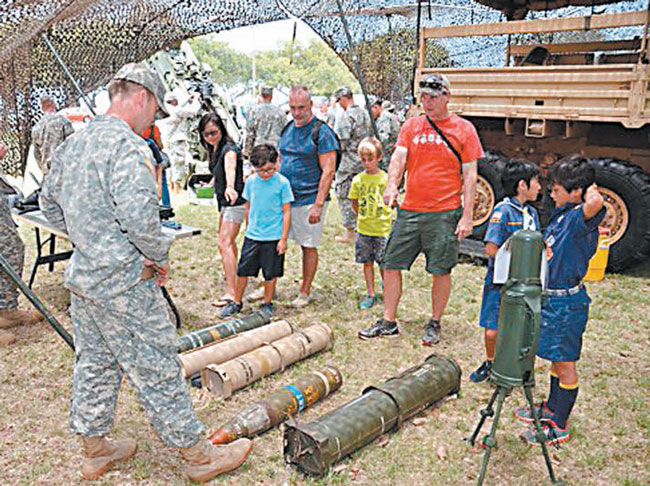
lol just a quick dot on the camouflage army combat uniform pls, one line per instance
(264, 125)
(179, 125)
(387, 129)
(47, 134)
(351, 128)
(12, 248)
(108, 205)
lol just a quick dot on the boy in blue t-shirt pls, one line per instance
(520, 181)
(571, 240)
(268, 206)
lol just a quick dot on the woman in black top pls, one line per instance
(227, 168)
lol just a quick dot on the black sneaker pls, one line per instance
(268, 309)
(431, 333)
(482, 373)
(231, 308)
(381, 327)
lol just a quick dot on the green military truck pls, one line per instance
(557, 98)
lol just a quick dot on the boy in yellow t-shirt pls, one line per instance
(373, 216)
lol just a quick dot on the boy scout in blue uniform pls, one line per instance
(520, 181)
(571, 239)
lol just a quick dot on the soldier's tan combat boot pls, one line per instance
(100, 454)
(6, 338)
(17, 317)
(205, 461)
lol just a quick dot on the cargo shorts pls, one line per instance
(431, 233)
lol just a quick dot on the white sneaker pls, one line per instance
(301, 301)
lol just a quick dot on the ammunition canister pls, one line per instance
(222, 380)
(315, 446)
(222, 330)
(290, 400)
(233, 346)
(519, 313)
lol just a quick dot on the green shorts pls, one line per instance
(430, 233)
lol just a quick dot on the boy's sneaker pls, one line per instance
(231, 308)
(368, 302)
(431, 333)
(554, 434)
(542, 411)
(268, 309)
(482, 373)
(381, 327)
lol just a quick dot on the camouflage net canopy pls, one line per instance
(96, 37)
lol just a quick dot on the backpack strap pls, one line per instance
(446, 140)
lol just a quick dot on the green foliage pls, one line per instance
(229, 67)
(315, 65)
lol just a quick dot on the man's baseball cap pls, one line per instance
(435, 84)
(266, 91)
(374, 100)
(344, 91)
(142, 75)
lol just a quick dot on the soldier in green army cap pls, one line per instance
(48, 133)
(101, 190)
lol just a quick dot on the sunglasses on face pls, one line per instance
(435, 85)
(211, 134)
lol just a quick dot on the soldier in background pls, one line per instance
(387, 128)
(180, 114)
(265, 122)
(48, 133)
(12, 248)
(351, 128)
(104, 196)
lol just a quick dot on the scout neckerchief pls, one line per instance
(529, 222)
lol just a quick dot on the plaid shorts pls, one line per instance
(369, 248)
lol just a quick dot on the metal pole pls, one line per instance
(355, 61)
(67, 72)
(35, 301)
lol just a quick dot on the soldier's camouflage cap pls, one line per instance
(266, 91)
(142, 75)
(435, 84)
(344, 91)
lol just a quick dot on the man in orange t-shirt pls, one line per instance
(431, 219)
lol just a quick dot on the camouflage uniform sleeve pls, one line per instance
(36, 141)
(383, 129)
(343, 127)
(50, 191)
(66, 130)
(250, 134)
(133, 189)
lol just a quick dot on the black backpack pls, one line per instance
(315, 131)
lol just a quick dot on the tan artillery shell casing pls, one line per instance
(222, 380)
(229, 348)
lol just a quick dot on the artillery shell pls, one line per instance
(290, 400)
(222, 330)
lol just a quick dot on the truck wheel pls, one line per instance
(626, 189)
(488, 191)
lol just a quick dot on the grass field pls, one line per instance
(610, 423)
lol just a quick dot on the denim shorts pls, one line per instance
(564, 319)
(369, 249)
(489, 317)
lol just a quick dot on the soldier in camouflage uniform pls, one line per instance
(12, 248)
(351, 128)
(48, 133)
(178, 123)
(264, 123)
(104, 196)
(387, 129)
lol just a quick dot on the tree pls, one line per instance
(229, 67)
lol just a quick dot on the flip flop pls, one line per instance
(222, 302)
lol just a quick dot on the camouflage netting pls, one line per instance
(96, 37)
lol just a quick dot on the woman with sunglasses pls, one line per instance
(226, 166)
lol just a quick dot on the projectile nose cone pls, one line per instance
(220, 436)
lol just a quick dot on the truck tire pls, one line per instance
(488, 191)
(626, 189)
